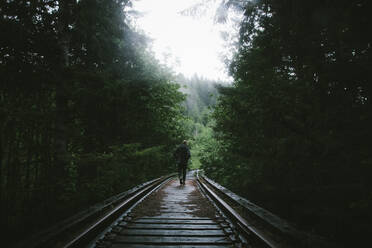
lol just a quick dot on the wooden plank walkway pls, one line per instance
(175, 216)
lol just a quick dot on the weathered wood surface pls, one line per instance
(169, 246)
(173, 232)
(172, 240)
(174, 221)
(172, 226)
(175, 216)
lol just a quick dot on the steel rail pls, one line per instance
(244, 227)
(91, 232)
(101, 224)
(278, 227)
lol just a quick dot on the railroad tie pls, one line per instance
(173, 216)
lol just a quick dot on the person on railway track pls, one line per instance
(182, 156)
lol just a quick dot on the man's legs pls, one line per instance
(180, 172)
(184, 174)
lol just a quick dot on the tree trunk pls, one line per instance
(61, 120)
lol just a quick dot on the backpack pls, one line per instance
(182, 153)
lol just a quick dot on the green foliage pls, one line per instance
(119, 168)
(200, 142)
(293, 129)
(201, 98)
(85, 110)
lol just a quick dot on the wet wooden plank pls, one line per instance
(159, 232)
(173, 215)
(169, 246)
(185, 211)
(173, 221)
(177, 206)
(172, 226)
(171, 240)
(174, 218)
(178, 222)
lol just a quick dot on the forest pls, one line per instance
(87, 111)
(293, 130)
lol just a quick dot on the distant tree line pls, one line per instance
(201, 98)
(85, 111)
(294, 130)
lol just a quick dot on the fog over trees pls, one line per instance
(87, 111)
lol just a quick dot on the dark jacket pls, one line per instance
(182, 154)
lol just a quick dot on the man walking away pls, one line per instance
(182, 155)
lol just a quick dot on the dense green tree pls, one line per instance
(295, 124)
(201, 97)
(85, 111)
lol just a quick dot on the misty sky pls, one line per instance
(190, 45)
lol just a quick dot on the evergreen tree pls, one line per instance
(295, 122)
(85, 111)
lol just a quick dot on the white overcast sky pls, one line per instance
(189, 45)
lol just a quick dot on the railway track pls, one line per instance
(174, 215)
(163, 213)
